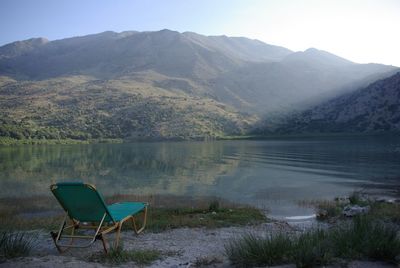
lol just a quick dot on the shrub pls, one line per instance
(328, 210)
(214, 206)
(250, 251)
(312, 249)
(366, 237)
(17, 244)
(363, 237)
(357, 198)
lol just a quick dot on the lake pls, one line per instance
(273, 174)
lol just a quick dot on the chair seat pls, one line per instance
(119, 211)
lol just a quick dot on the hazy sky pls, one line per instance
(360, 30)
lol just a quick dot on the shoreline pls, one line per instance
(7, 141)
(207, 245)
(205, 248)
(177, 250)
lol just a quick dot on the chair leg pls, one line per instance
(143, 222)
(59, 249)
(57, 236)
(118, 235)
(72, 233)
(104, 243)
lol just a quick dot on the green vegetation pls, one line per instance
(374, 113)
(356, 198)
(250, 251)
(44, 213)
(328, 210)
(367, 237)
(119, 256)
(363, 237)
(15, 244)
(373, 235)
(16, 222)
(81, 109)
(34, 141)
(160, 219)
(386, 212)
(332, 210)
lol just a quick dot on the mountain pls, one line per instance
(111, 55)
(317, 58)
(266, 87)
(20, 48)
(240, 47)
(162, 84)
(375, 108)
(78, 107)
(249, 75)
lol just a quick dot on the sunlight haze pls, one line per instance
(361, 31)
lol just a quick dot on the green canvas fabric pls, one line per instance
(120, 211)
(82, 202)
(86, 204)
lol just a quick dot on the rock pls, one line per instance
(380, 200)
(369, 264)
(387, 200)
(350, 211)
(342, 200)
(214, 213)
(322, 214)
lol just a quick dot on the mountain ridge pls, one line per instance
(185, 84)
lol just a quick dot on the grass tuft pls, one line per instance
(358, 198)
(119, 256)
(16, 244)
(214, 206)
(366, 237)
(363, 237)
(312, 249)
(328, 210)
(386, 211)
(250, 250)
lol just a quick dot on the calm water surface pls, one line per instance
(273, 174)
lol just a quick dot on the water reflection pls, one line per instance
(274, 173)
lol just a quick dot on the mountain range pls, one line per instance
(163, 84)
(375, 108)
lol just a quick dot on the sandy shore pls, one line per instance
(181, 247)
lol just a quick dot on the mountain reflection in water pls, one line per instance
(273, 174)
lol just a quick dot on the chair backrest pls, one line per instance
(81, 201)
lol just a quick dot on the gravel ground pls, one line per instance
(181, 247)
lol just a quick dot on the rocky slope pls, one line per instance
(375, 108)
(81, 108)
(160, 84)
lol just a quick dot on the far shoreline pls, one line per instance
(7, 141)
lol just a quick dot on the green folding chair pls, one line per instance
(87, 211)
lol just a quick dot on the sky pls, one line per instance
(363, 31)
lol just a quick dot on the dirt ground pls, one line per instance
(184, 247)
